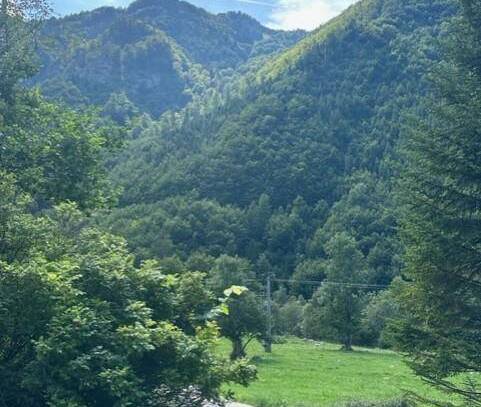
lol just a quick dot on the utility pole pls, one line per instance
(268, 344)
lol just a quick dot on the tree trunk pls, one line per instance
(349, 326)
(238, 350)
(347, 345)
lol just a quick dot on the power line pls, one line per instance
(324, 282)
(267, 296)
(335, 283)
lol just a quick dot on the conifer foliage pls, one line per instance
(443, 219)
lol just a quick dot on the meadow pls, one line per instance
(301, 373)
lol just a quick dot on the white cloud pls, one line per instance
(283, 14)
(305, 14)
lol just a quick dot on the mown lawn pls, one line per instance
(310, 374)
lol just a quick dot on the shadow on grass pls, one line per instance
(270, 360)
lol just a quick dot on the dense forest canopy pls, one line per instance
(155, 54)
(169, 177)
(306, 152)
(292, 166)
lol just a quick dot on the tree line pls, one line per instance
(129, 245)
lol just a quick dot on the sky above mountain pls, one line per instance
(281, 14)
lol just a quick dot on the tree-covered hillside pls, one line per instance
(303, 151)
(155, 54)
(80, 324)
(330, 192)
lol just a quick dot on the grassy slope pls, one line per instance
(303, 373)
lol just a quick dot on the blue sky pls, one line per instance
(285, 14)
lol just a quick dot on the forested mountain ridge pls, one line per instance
(342, 177)
(305, 153)
(158, 53)
(331, 193)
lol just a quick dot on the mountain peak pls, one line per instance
(172, 5)
(155, 51)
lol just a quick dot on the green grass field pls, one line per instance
(309, 374)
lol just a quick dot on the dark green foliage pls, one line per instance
(334, 312)
(244, 323)
(381, 310)
(80, 323)
(19, 230)
(129, 56)
(55, 153)
(26, 306)
(288, 317)
(159, 54)
(179, 226)
(228, 271)
(331, 113)
(17, 58)
(297, 152)
(246, 318)
(285, 170)
(442, 191)
(366, 212)
(223, 40)
(120, 109)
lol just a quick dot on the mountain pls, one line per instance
(156, 52)
(304, 149)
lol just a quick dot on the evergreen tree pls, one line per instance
(443, 220)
